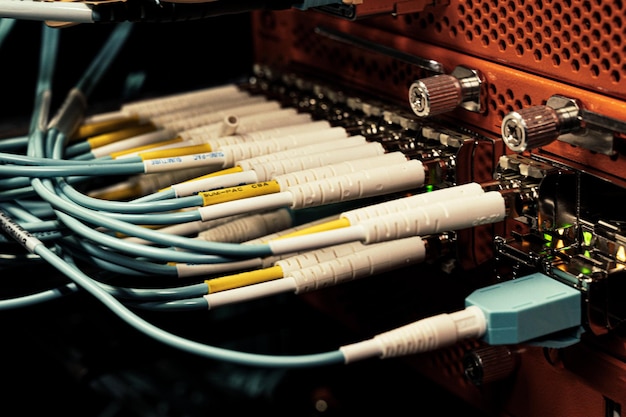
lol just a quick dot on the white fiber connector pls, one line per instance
(314, 257)
(250, 176)
(371, 260)
(424, 335)
(164, 104)
(271, 169)
(418, 200)
(217, 116)
(252, 124)
(326, 146)
(206, 108)
(133, 142)
(360, 184)
(249, 227)
(442, 216)
(239, 151)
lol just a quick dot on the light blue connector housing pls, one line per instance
(527, 308)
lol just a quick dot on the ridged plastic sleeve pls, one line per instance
(366, 183)
(370, 260)
(440, 217)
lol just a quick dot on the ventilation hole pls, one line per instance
(519, 33)
(501, 99)
(615, 77)
(502, 45)
(587, 6)
(557, 25)
(537, 55)
(538, 38)
(529, 27)
(606, 46)
(518, 104)
(585, 41)
(616, 58)
(502, 28)
(509, 94)
(486, 24)
(576, 30)
(485, 40)
(606, 65)
(527, 100)
(547, 31)
(556, 60)
(529, 44)
(511, 5)
(519, 50)
(576, 47)
(556, 43)
(478, 30)
(469, 36)
(566, 54)
(595, 52)
(493, 34)
(595, 71)
(585, 59)
(596, 17)
(617, 40)
(567, 19)
(492, 105)
(494, 18)
(510, 39)
(511, 23)
(500, 115)
(575, 66)
(547, 48)
(461, 9)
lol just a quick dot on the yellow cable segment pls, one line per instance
(168, 153)
(97, 128)
(239, 192)
(330, 225)
(245, 278)
(117, 193)
(112, 137)
(226, 171)
(138, 149)
(232, 170)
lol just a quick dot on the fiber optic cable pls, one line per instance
(354, 216)
(6, 25)
(165, 137)
(354, 263)
(118, 308)
(487, 208)
(250, 173)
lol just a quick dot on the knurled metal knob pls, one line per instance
(435, 95)
(488, 364)
(530, 128)
(537, 126)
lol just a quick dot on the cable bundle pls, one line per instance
(214, 196)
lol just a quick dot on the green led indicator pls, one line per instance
(587, 236)
(547, 237)
(429, 188)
